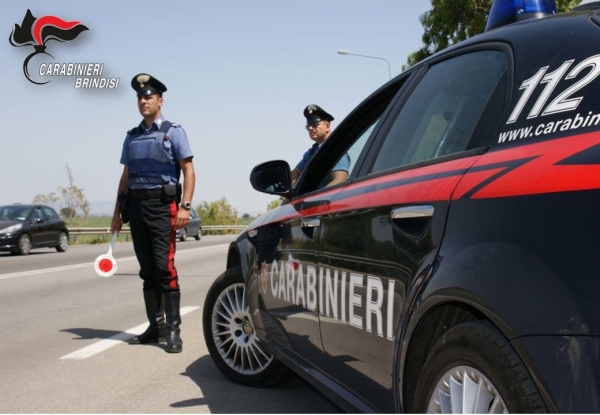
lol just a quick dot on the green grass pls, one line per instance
(96, 239)
(245, 221)
(95, 222)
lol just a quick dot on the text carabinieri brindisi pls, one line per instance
(89, 75)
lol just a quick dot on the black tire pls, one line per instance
(183, 236)
(256, 367)
(479, 351)
(24, 245)
(199, 236)
(63, 242)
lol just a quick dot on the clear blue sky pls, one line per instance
(238, 73)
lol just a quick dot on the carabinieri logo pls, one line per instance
(37, 32)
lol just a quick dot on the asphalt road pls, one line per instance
(63, 332)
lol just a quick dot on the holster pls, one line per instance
(171, 192)
(123, 201)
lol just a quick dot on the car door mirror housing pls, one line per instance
(272, 177)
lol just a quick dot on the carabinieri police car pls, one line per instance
(458, 268)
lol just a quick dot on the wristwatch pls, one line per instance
(186, 205)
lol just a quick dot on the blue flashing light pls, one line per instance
(505, 12)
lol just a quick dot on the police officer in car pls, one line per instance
(318, 125)
(150, 196)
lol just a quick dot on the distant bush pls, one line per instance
(219, 212)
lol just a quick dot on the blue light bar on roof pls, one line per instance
(505, 12)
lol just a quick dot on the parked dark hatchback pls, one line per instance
(25, 227)
(458, 268)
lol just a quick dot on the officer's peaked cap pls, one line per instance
(314, 113)
(145, 84)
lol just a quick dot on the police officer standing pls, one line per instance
(154, 154)
(318, 125)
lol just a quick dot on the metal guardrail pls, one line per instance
(95, 231)
(102, 232)
(223, 227)
(127, 231)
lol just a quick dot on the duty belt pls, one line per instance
(145, 194)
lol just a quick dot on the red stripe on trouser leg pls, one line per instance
(171, 263)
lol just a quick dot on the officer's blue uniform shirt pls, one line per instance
(343, 164)
(176, 148)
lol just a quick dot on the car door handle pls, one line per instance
(311, 223)
(408, 212)
(412, 221)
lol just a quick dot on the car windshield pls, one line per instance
(14, 212)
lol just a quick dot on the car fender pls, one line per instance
(507, 278)
(496, 281)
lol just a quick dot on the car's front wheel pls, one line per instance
(230, 336)
(24, 245)
(183, 236)
(63, 242)
(473, 368)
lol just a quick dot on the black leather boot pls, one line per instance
(155, 311)
(173, 320)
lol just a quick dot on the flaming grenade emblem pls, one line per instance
(37, 31)
(264, 277)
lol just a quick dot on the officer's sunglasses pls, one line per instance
(314, 125)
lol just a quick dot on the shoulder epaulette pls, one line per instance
(164, 127)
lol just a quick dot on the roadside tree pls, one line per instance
(74, 201)
(452, 21)
(219, 212)
(273, 204)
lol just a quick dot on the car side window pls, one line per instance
(350, 143)
(49, 214)
(443, 111)
(354, 151)
(347, 162)
(38, 214)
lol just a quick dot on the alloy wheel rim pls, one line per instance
(234, 334)
(465, 390)
(25, 245)
(63, 241)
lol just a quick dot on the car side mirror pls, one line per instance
(37, 220)
(272, 177)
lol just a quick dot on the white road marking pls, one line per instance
(120, 338)
(57, 269)
(91, 264)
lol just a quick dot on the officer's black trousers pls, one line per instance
(152, 225)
